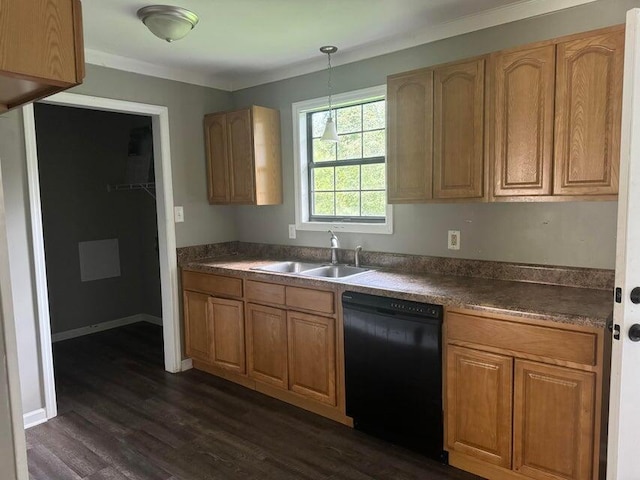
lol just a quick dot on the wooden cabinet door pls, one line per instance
(227, 334)
(197, 326)
(458, 151)
(522, 121)
(39, 38)
(215, 138)
(267, 344)
(553, 422)
(240, 145)
(479, 404)
(312, 356)
(588, 114)
(410, 133)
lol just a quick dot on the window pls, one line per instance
(342, 186)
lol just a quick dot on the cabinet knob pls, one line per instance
(635, 295)
(634, 332)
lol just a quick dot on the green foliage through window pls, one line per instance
(347, 179)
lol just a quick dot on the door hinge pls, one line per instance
(618, 295)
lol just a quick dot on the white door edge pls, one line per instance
(624, 422)
(166, 229)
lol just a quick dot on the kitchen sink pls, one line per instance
(335, 271)
(288, 267)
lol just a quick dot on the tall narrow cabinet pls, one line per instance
(243, 157)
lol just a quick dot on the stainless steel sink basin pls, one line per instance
(335, 271)
(288, 267)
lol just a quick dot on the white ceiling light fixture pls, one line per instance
(330, 134)
(167, 22)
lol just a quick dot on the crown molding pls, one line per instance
(118, 62)
(467, 24)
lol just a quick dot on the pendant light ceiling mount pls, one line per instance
(167, 22)
(330, 134)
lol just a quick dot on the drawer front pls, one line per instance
(261, 292)
(212, 284)
(307, 299)
(578, 347)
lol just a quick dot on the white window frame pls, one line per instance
(301, 168)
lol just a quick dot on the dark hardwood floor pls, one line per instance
(122, 417)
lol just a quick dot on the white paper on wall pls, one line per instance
(99, 259)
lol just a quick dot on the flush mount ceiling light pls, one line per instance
(330, 134)
(167, 22)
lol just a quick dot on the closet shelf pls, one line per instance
(150, 188)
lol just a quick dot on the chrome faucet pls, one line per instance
(335, 245)
(356, 255)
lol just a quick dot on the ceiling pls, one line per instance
(242, 43)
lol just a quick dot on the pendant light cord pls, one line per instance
(329, 85)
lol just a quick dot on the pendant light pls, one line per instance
(167, 22)
(330, 134)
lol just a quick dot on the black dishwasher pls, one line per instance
(393, 369)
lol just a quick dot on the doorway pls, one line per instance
(157, 117)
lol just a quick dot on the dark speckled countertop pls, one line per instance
(560, 304)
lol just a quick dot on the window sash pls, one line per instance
(339, 163)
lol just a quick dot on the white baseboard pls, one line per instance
(36, 417)
(100, 327)
(187, 364)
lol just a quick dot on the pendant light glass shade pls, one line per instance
(167, 22)
(330, 133)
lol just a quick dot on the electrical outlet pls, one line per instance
(178, 214)
(292, 231)
(454, 240)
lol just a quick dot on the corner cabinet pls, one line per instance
(41, 49)
(243, 157)
(523, 399)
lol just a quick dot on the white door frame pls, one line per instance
(624, 422)
(166, 230)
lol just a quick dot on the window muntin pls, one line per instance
(347, 180)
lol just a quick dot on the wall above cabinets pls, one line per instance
(535, 123)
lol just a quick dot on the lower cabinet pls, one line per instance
(479, 395)
(312, 356)
(553, 422)
(267, 344)
(214, 330)
(515, 408)
(281, 340)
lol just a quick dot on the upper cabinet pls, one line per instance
(522, 129)
(410, 125)
(588, 114)
(458, 141)
(243, 157)
(41, 49)
(544, 124)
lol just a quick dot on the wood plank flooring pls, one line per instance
(122, 417)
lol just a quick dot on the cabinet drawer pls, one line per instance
(578, 347)
(212, 284)
(307, 299)
(265, 292)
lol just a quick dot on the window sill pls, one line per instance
(375, 228)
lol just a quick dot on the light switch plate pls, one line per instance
(292, 231)
(178, 214)
(453, 242)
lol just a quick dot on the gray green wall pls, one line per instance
(576, 233)
(80, 152)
